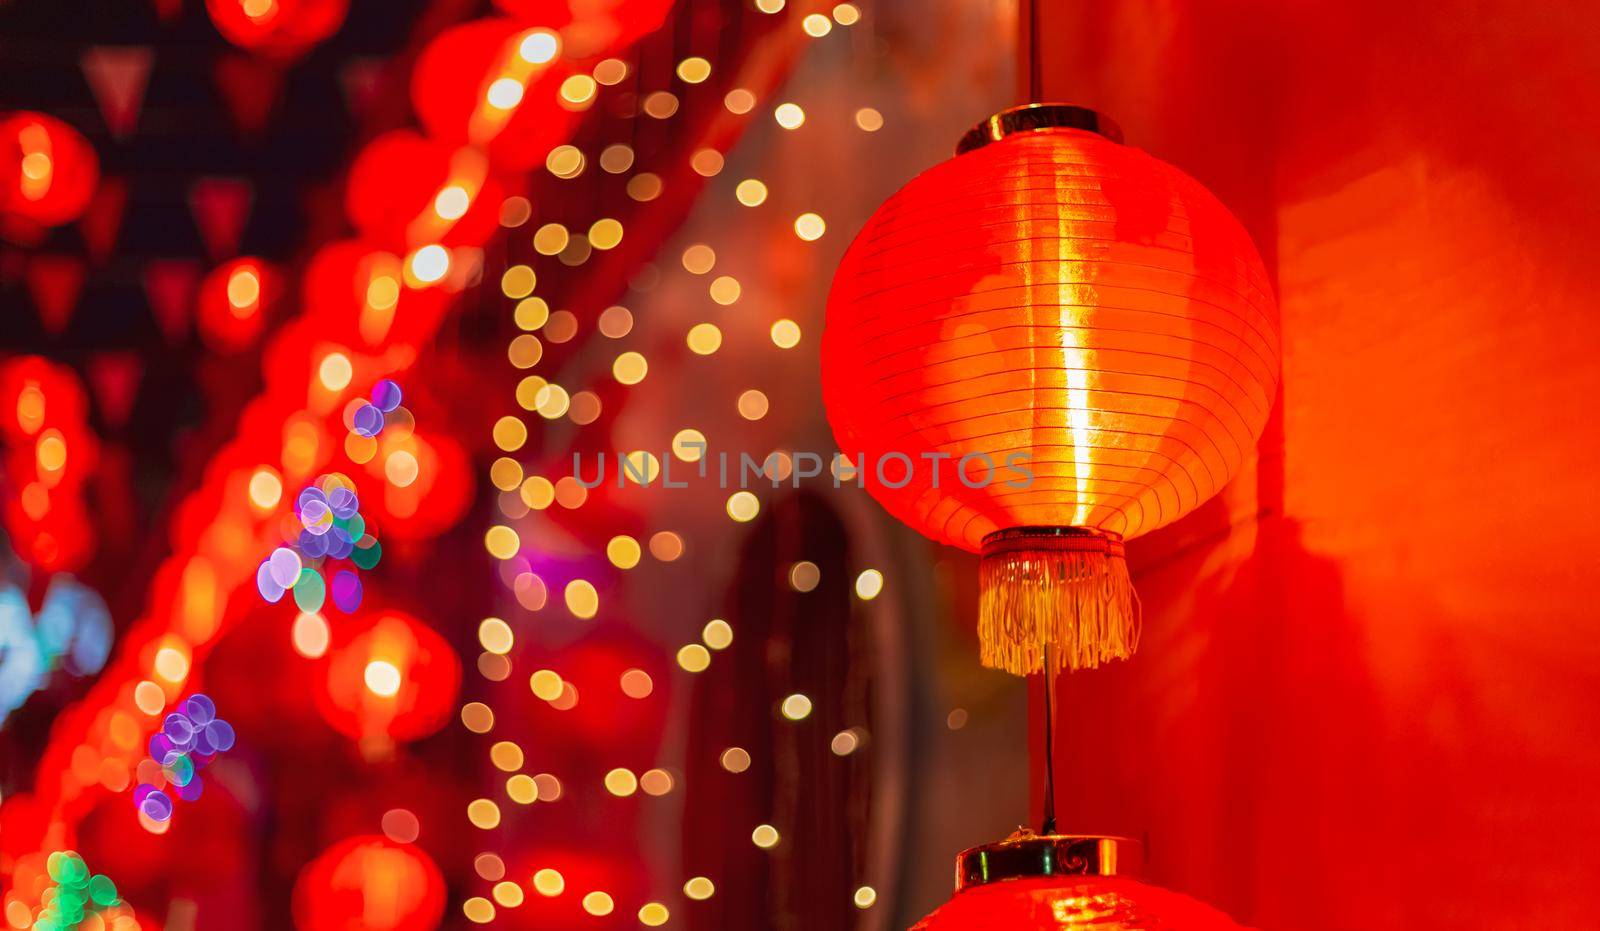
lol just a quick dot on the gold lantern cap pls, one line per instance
(1036, 116)
(1026, 855)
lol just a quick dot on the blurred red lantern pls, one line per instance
(1030, 882)
(592, 25)
(393, 679)
(48, 171)
(234, 301)
(493, 83)
(1083, 338)
(371, 883)
(282, 28)
(50, 454)
(406, 190)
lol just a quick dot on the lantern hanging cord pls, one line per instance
(1048, 826)
(1035, 66)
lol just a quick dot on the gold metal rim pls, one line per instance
(1026, 855)
(1036, 116)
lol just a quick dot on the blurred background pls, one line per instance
(754, 710)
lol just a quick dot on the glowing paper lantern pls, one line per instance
(48, 171)
(369, 882)
(1039, 349)
(235, 300)
(280, 28)
(459, 98)
(395, 679)
(1031, 882)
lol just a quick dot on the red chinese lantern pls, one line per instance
(394, 680)
(406, 190)
(493, 83)
(372, 883)
(1061, 882)
(48, 171)
(1039, 349)
(282, 28)
(235, 300)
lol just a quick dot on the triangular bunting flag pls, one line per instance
(115, 379)
(169, 287)
(103, 218)
(250, 87)
(55, 282)
(221, 207)
(118, 76)
(359, 78)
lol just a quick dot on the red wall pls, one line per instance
(1369, 690)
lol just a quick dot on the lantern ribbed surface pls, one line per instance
(1064, 302)
(1104, 903)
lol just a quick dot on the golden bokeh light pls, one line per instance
(704, 339)
(735, 759)
(751, 192)
(785, 334)
(502, 542)
(753, 404)
(549, 239)
(804, 576)
(506, 756)
(630, 368)
(869, 584)
(707, 163)
(621, 782)
(531, 313)
(606, 233)
(636, 683)
(809, 227)
(483, 813)
(666, 545)
(582, 599)
(764, 836)
(598, 904)
(517, 282)
(743, 506)
(739, 101)
(717, 634)
(699, 888)
(611, 71)
(616, 158)
(694, 658)
(477, 717)
(797, 707)
(615, 322)
(624, 552)
(789, 115)
(694, 70)
(725, 290)
(689, 445)
(546, 684)
(495, 635)
(869, 120)
(816, 25)
(549, 883)
(645, 186)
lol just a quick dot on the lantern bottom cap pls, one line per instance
(1026, 855)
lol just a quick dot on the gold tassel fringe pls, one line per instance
(1065, 587)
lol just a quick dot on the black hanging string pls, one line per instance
(1035, 66)
(1049, 822)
